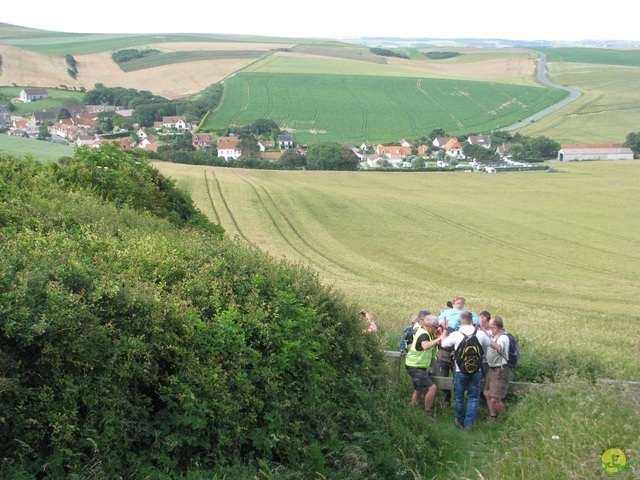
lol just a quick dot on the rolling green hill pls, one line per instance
(315, 108)
(356, 109)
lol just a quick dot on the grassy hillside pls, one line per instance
(608, 110)
(356, 109)
(556, 255)
(137, 344)
(39, 150)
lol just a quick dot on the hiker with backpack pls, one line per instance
(407, 334)
(419, 360)
(500, 371)
(469, 345)
(450, 319)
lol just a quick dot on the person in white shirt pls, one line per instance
(497, 382)
(463, 382)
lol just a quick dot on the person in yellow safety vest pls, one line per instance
(418, 362)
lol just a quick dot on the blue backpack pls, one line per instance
(407, 339)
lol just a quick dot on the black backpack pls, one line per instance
(514, 351)
(468, 355)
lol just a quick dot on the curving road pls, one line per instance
(541, 76)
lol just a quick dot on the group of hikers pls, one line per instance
(472, 347)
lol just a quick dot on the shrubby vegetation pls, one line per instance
(128, 54)
(633, 142)
(138, 341)
(72, 64)
(331, 156)
(441, 55)
(385, 52)
(150, 108)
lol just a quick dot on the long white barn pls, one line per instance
(607, 151)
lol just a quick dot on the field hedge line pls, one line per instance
(137, 340)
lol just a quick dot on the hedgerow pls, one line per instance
(134, 347)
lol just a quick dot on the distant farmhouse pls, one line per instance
(32, 94)
(605, 151)
(228, 147)
(285, 141)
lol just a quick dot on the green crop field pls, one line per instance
(557, 255)
(608, 109)
(602, 56)
(356, 109)
(39, 150)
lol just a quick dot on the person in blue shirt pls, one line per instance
(450, 318)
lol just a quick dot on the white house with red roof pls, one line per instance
(228, 147)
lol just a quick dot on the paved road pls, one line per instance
(541, 75)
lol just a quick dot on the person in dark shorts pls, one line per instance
(419, 360)
(497, 382)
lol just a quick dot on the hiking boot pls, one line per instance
(458, 424)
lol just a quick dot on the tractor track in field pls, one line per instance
(268, 210)
(226, 205)
(208, 187)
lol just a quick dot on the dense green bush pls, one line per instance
(441, 55)
(385, 52)
(131, 347)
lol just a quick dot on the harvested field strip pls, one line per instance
(169, 58)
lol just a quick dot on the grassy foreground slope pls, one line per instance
(556, 255)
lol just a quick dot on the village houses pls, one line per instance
(228, 147)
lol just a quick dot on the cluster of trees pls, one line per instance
(441, 55)
(128, 54)
(385, 52)
(150, 108)
(72, 65)
(142, 342)
(633, 142)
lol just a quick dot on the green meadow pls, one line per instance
(57, 98)
(356, 108)
(600, 56)
(557, 255)
(38, 150)
(607, 111)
